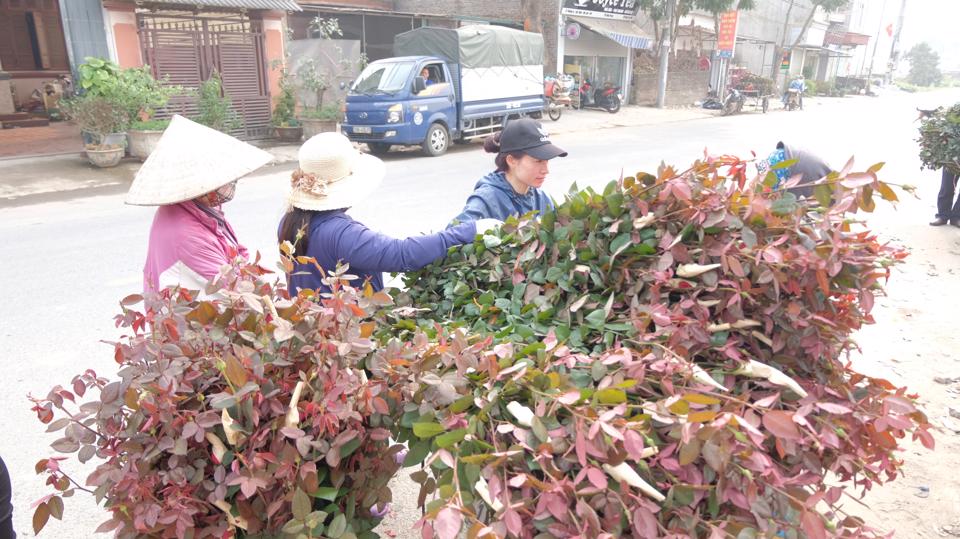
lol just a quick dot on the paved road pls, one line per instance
(66, 263)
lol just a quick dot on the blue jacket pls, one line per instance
(494, 198)
(336, 237)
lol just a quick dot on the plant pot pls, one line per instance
(141, 143)
(289, 134)
(313, 126)
(105, 158)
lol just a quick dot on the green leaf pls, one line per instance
(824, 194)
(428, 430)
(301, 504)
(349, 447)
(337, 527)
(292, 527)
(785, 205)
(596, 319)
(611, 396)
(417, 453)
(449, 438)
(327, 493)
(539, 429)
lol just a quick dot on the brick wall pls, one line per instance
(683, 87)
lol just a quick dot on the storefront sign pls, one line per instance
(727, 39)
(785, 62)
(604, 9)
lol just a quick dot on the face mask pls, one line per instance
(224, 194)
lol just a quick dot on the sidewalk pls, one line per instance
(29, 180)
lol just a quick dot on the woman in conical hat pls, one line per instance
(333, 177)
(192, 172)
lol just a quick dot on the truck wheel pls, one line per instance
(378, 148)
(436, 141)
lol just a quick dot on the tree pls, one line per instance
(716, 7)
(827, 5)
(924, 65)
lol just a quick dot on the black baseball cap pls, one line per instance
(527, 136)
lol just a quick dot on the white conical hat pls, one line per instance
(191, 160)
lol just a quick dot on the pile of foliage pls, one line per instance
(664, 358)
(940, 139)
(248, 414)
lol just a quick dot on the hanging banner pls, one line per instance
(603, 9)
(727, 39)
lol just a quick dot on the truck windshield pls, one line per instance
(383, 77)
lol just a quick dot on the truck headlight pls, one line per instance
(395, 114)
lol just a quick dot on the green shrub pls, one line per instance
(215, 106)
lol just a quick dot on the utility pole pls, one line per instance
(665, 56)
(894, 53)
(883, 12)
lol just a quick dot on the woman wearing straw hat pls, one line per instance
(523, 149)
(333, 177)
(192, 172)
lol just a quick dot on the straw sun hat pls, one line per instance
(333, 174)
(192, 160)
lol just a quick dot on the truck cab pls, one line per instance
(393, 103)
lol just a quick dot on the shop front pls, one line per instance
(598, 40)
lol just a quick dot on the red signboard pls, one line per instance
(728, 33)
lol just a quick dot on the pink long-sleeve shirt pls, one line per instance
(187, 248)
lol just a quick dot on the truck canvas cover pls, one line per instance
(473, 46)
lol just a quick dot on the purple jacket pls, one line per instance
(187, 247)
(335, 237)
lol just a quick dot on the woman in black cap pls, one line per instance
(523, 149)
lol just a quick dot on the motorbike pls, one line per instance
(733, 103)
(793, 99)
(557, 92)
(607, 98)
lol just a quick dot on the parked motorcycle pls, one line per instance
(733, 103)
(607, 98)
(557, 92)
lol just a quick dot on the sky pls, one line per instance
(933, 21)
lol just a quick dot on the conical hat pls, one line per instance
(191, 160)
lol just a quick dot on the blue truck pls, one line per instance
(446, 85)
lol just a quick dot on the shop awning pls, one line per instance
(276, 5)
(623, 32)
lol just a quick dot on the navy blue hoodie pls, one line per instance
(494, 198)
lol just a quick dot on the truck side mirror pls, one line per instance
(419, 85)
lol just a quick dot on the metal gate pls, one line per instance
(188, 48)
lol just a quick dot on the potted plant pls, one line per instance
(141, 96)
(318, 118)
(99, 119)
(287, 126)
(135, 93)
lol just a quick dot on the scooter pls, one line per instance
(792, 101)
(557, 92)
(733, 103)
(607, 98)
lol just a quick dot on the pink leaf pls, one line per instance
(597, 478)
(448, 522)
(633, 443)
(780, 423)
(513, 521)
(813, 525)
(833, 408)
